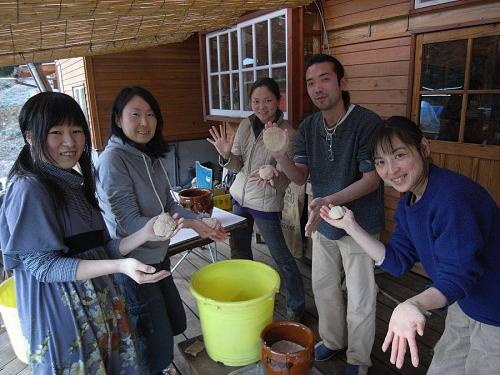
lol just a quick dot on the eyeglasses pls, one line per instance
(329, 143)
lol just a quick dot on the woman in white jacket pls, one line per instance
(257, 200)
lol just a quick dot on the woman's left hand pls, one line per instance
(262, 182)
(406, 320)
(216, 234)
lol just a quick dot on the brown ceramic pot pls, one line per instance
(197, 200)
(277, 363)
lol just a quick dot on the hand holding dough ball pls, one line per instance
(274, 139)
(210, 221)
(266, 172)
(164, 225)
(336, 213)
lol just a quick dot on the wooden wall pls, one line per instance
(373, 39)
(171, 72)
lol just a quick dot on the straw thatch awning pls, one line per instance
(42, 30)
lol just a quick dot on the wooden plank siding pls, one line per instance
(373, 39)
(171, 72)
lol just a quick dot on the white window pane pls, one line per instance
(247, 46)
(236, 91)
(213, 55)
(224, 52)
(279, 75)
(234, 50)
(226, 95)
(247, 85)
(278, 38)
(215, 92)
(261, 43)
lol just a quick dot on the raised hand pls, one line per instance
(221, 141)
(342, 223)
(141, 273)
(263, 182)
(314, 215)
(406, 320)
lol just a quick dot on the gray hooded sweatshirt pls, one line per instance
(132, 188)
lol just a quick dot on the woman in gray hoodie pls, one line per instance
(132, 187)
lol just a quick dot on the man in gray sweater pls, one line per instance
(332, 147)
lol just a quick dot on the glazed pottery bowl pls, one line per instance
(197, 200)
(277, 362)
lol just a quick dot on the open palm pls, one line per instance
(221, 141)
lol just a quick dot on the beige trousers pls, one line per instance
(467, 347)
(340, 326)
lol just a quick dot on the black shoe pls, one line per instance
(324, 353)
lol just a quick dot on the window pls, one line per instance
(428, 3)
(238, 56)
(457, 85)
(81, 99)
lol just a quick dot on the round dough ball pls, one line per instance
(266, 172)
(274, 139)
(210, 221)
(336, 212)
(164, 225)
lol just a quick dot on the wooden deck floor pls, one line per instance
(390, 291)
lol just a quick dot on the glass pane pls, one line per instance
(482, 122)
(247, 46)
(247, 85)
(440, 116)
(224, 52)
(236, 92)
(234, 50)
(215, 92)
(226, 95)
(262, 73)
(261, 43)
(279, 75)
(278, 40)
(443, 65)
(485, 64)
(213, 54)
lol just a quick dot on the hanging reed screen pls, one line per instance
(42, 30)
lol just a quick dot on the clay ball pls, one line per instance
(274, 139)
(336, 212)
(164, 225)
(210, 221)
(266, 172)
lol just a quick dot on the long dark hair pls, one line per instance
(38, 115)
(157, 145)
(338, 69)
(405, 130)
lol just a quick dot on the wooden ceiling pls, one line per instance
(44, 30)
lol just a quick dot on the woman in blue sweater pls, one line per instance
(450, 224)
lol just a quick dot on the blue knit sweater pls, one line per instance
(454, 230)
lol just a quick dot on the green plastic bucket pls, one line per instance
(235, 302)
(10, 317)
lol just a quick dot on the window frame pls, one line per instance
(420, 5)
(241, 112)
(467, 34)
(80, 96)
